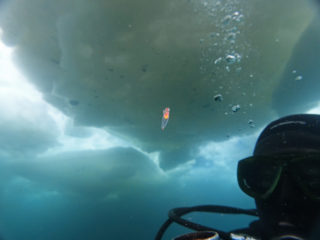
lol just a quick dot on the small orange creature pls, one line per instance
(165, 118)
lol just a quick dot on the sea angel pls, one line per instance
(165, 118)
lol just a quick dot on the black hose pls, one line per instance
(176, 213)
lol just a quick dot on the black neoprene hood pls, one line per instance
(290, 134)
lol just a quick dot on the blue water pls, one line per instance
(135, 216)
(82, 89)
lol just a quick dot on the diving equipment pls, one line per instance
(258, 176)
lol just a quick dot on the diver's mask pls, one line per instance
(258, 176)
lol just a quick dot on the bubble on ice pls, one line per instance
(230, 59)
(226, 20)
(251, 123)
(218, 60)
(212, 35)
(235, 108)
(233, 58)
(236, 13)
(218, 98)
(231, 36)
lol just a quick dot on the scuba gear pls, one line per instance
(209, 233)
(291, 134)
(283, 176)
(258, 176)
(199, 236)
(175, 215)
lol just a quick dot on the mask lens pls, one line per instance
(258, 176)
(307, 173)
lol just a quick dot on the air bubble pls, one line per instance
(226, 20)
(235, 108)
(218, 60)
(218, 98)
(230, 59)
(231, 36)
(233, 58)
(251, 123)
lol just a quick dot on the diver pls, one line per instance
(283, 177)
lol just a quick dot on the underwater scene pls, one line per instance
(113, 112)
